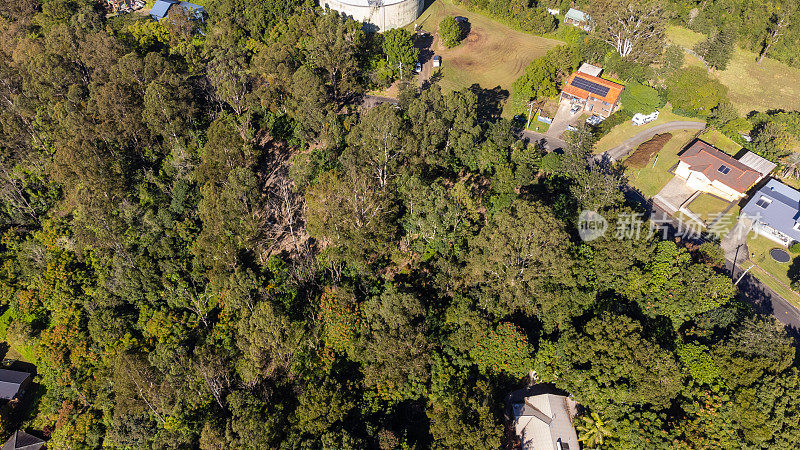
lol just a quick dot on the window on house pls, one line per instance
(724, 169)
(763, 202)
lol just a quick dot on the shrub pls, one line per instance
(450, 32)
(640, 98)
(712, 253)
(551, 163)
(613, 120)
(795, 248)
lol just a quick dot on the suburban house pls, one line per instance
(592, 93)
(708, 169)
(13, 383)
(775, 212)
(161, 9)
(21, 440)
(544, 422)
(578, 18)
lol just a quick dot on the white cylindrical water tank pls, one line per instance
(382, 14)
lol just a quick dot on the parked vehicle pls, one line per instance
(594, 120)
(574, 110)
(418, 68)
(437, 61)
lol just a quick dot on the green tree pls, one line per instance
(692, 92)
(756, 348)
(503, 350)
(537, 82)
(717, 50)
(401, 54)
(612, 364)
(450, 31)
(593, 430)
(640, 98)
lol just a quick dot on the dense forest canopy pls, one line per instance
(207, 244)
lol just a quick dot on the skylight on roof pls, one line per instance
(724, 169)
(763, 202)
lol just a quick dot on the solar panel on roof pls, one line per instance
(590, 86)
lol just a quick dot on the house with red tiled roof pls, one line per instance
(594, 94)
(708, 169)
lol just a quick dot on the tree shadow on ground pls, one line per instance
(490, 102)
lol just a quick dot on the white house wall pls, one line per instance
(698, 181)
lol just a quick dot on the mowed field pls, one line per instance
(492, 55)
(751, 86)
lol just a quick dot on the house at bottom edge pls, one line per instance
(21, 440)
(775, 212)
(544, 422)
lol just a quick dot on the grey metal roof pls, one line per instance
(757, 163)
(576, 14)
(10, 382)
(544, 420)
(21, 440)
(161, 8)
(781, 213)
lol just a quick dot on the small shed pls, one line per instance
(757, 163)
(13, 383)
(578, 18)
(590, 69)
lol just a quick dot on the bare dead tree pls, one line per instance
(634, 29)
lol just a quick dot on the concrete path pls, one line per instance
(619, 152)
(561, 120)
(674, 195)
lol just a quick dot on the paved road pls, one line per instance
(764, 299)
(548, 142)
(619, 152)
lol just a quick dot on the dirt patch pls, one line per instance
(641, 156)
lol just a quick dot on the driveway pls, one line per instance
(619, 152)
(561, 120)
(674, 195)
(548, 142)
(425, 42)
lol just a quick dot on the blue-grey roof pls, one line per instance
(161, 8)
(10, 382)
(783, 210)
(576, 14)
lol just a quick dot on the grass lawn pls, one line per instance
(751, 86)
(772, 273)
(492, 55)
(649, 179)
(536, 125)
(708, 207)
(627, 129)
(721, 141)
